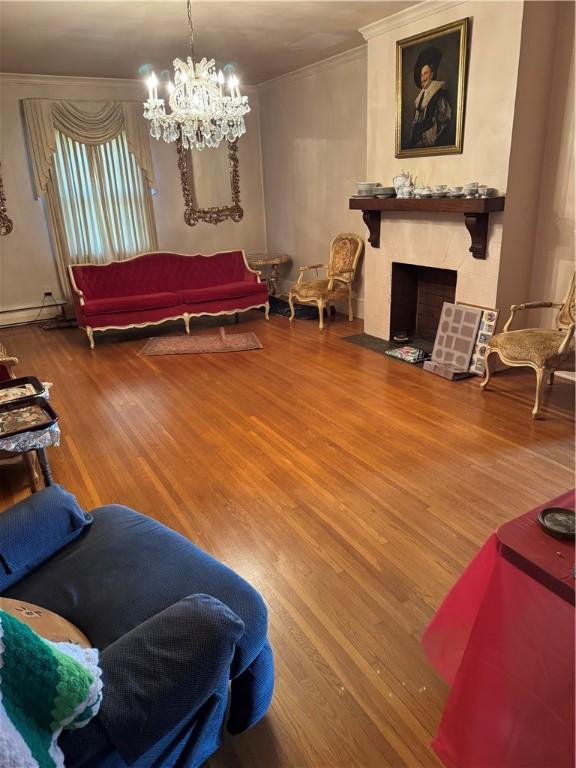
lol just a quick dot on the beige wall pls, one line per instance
(554, 242)
(313, 126)
(26, 259)
(442, 241)
(531, 117)
(553, 260)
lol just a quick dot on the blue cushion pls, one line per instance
(142, 568)
(35, 528)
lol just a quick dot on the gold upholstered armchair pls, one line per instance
(544, 349)
(345, 252)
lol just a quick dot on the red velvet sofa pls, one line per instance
(155, 287)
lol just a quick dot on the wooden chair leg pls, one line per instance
(32, 467)
(487, 370)
(540, 378)
(321, 314)
(551, 377)
(291, 303)
(90, 334)
(350, 313)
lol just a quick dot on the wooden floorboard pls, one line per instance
(349, 488)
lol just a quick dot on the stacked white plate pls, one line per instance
(367, 188)
(386, 192)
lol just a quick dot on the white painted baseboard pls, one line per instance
(23, 315)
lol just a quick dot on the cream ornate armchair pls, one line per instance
(544, 349)
(345, 252)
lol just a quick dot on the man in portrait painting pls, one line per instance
(432, 123)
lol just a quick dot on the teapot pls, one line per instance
(403, 179)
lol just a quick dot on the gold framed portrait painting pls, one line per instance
(431, 91)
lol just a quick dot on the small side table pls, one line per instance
(35, 441)
(257, 260)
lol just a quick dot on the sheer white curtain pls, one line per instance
(101, 201)
(91, 162)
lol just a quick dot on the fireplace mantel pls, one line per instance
(476, 212)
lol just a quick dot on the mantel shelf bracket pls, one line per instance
(372, 220)
(477, 226)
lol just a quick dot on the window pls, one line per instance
(105, 202)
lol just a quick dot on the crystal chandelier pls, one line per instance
(201, 113)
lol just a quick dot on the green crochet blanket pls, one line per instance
(44, 687)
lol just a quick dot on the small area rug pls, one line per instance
(194, 345)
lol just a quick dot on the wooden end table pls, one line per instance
(257, 260)
(47, 624)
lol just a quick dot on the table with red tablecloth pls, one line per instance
(503, 639)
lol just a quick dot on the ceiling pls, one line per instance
(262, 38)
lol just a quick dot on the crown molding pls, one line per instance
(85, 82)
(89, 82)
(408, 16)
(354, 54)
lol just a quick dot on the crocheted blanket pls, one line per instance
(44, 687)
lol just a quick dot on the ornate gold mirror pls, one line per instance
(6, 223)
(210, 183)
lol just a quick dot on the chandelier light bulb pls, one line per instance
(152, 84)
(221, 79)
(170, 87)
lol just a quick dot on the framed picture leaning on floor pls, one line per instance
(431, 90)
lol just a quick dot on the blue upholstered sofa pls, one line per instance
(183, 639)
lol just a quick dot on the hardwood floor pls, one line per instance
(350, 489)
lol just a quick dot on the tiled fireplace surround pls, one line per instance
(437, 242)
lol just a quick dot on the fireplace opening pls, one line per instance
(417, 297)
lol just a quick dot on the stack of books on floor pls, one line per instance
(408, 354)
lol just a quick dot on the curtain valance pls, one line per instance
(88, 122)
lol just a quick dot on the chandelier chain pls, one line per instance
(191, 25)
